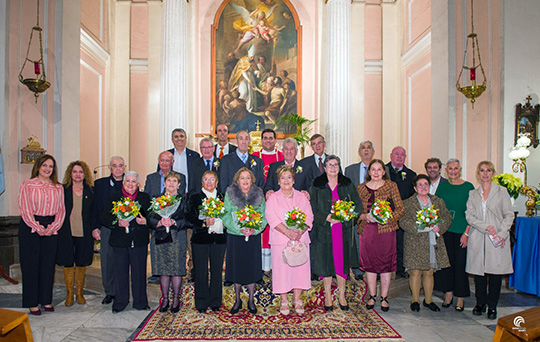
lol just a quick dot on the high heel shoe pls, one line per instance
(385, 308)
(235, 309)
(164, 308)
(371, 306)
(299, 307)
(252, 308)
(284, 309)
(447, 305)
(343, 307)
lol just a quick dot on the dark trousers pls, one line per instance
(454, 278)
(123, 259)
(312, 250)
(208, 295)
(37, 256)
(107, 262)
(485, 296)
(78, 249)
(399, 247)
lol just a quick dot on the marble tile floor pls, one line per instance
(95, 322)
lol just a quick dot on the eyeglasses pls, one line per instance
(332, 166)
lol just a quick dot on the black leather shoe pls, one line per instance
(344, 307)
(115, 311)
(175, 309)
(447, 305)
(215, 308)
(107, 300)
(252, 310)
(432, 306)
(164, 308)
(479, 310)
(328, 308)
(384, 308)
(371, 306)
(201, 310)
(415, 306)
(492, 313)
(235, 310)
(402, 274)
(460, 308)
(227, 283)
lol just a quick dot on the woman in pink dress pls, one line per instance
(286, 278)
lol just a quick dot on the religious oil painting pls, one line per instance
(256, 63)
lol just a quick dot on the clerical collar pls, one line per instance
(274, 151)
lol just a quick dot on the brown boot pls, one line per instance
(80, 273)
(68, 278)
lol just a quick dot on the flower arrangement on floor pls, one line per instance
(125, 209)
(343, 210)
(512, 183)
(248, 219)
(381, 211)
(165, 206)
(296, 219)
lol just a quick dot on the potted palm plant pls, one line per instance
(300, 125)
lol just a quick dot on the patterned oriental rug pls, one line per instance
(357, 324)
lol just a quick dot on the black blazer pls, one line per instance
(103, 188)
(404, 184)
(138, 234)
(231, 163)
(311, 169)
(232, 148)
(200, 230)
(196, 170)
(179, 216)
(152, 185)
(300, 178)
(64, 254)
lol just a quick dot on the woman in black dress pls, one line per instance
(208, 245)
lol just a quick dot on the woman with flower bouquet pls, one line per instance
(129, 239)
(424, 252)
(208, 243)
(333, 236)
(377, 229)
(289, 216)
(167, 219)
(244, 205)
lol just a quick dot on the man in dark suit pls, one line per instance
(208, 162)
(233, 162)
(357, 173)
(403, 177)
(290, 150)
(433, 168)
(154, 184)
(182, 155)
(223, 146)
(314, 165)
(103, 188)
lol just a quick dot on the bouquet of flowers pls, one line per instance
(381, 211)
(426, 219)
(248, 218)
(512, 183)
(342, 210)
(212, 208)
(165, 206)
(125, 209)
(296, 219)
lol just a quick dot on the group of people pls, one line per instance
(59, 223)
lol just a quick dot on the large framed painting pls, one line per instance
(527, 117)
(256, 64)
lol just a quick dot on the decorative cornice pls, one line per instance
(421, 47)
(93, 49)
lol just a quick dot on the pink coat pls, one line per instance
(276, 207)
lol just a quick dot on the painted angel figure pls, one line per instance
(254, 24)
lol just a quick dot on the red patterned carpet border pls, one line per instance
(358, 324)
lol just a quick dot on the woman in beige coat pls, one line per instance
(489, 213)
(424, 252)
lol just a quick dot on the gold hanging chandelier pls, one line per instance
(38, 84)
(473, 90)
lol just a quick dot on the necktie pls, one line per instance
(363, 174)
(321, 168)
(221, 152)
(208, 166)
(244, 158)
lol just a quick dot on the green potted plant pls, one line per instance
(301, 126)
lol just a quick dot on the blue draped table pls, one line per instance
(526, 256)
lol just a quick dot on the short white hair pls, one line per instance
(133, 174)
(290, 141)
(366, 142)
(116, 157)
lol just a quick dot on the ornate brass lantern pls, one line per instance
(38, 84)
(473, 90)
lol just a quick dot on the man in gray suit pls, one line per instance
(154, 183)
(357, 173)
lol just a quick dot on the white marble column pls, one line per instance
(174, 69)
(337, 87)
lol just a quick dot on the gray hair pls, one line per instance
(133, 174)
(181, 130)
(290, 141)
(205, 139)
(332, 157)
(116, 157)
(453, 160)
(366, 142)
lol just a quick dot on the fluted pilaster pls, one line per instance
(337, 102)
